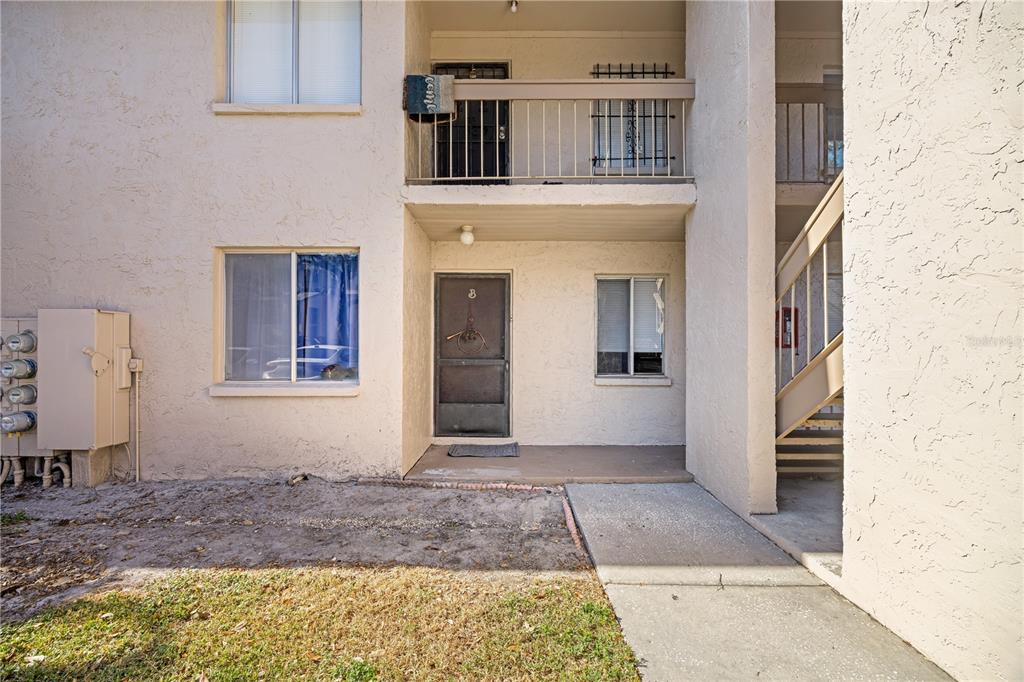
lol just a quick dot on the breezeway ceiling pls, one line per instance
(556, 15)
(552, 223)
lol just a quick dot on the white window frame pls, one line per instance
(631, 375)
(230, 105)
(222, 387)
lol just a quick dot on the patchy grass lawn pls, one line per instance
(12, 519)
(326, 624)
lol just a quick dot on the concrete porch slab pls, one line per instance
(555, 465)
(675, 534)
(764, 633)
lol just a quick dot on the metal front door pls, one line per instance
(475, 144)
(471, 355)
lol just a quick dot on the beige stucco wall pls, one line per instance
(560, 54)
(803, 57)
(933, 351)
(730, 247)
(118, 182)
(554, 397)
(417, 330)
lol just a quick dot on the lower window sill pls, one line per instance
(234, 109)
(632, 381)
(275, 389)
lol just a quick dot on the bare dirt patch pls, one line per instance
(76, 540)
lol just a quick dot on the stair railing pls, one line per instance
(809, 316)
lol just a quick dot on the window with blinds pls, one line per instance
(630, 325)
(295, 51)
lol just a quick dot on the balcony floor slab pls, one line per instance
(633, 212)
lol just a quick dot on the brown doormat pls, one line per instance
(466, 450)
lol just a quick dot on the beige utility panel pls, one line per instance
(84, 380)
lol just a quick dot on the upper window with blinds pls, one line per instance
(295, 52)
(630, 326)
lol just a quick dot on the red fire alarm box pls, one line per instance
(790, 319)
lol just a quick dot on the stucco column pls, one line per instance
(933, 273)
(730, 51)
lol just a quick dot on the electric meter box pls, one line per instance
(21, 444)
(83, 378)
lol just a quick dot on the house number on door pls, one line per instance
(472, 294)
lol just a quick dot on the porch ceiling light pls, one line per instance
(513, 6)
(467, 237)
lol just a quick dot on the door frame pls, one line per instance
(435, 366)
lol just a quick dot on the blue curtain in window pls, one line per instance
(327, 321)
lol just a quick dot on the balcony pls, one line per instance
(808, 141)
(555, 132)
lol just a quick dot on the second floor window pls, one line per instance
(295, 52)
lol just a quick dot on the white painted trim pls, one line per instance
(235, 109)
(632, 381)
(283, 389)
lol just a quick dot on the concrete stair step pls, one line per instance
(829, 420)
(812, 437)
(806, 456)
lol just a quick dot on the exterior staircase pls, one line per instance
(815, 447)
(809, 346)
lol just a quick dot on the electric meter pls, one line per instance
(18, 369)
(18, 422)
(22, 395)
(25, 342)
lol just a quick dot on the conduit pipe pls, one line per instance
(135, 365)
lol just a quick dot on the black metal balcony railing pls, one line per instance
(508, 131)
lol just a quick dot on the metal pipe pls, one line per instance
(138, 426)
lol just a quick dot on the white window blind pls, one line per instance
(648, 316)
(329, 50)
(261, 52)
(613, 315)
(296, 51)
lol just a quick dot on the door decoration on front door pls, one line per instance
(469, 340)
(471, 359)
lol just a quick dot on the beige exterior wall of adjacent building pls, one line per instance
(555, 399)
(119, 182)
(933, 353)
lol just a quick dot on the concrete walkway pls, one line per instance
(701, 595)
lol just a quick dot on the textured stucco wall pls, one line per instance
(730, 247)
(539, 54)
(554, 398)
(118, 182)
(933, 353)
(804, 58)
(417, 328)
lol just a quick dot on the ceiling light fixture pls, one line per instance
(514, 6)
(467, 237)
